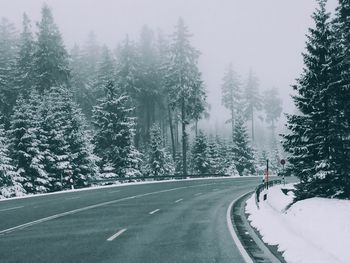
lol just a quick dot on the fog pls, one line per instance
(267, 36)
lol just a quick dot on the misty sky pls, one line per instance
(267, 36)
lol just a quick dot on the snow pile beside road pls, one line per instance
(316, 230)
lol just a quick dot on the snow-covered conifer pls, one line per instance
(114, 134)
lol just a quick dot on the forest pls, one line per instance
(72, 117)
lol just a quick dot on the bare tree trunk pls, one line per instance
(184, 137)
(172, 133)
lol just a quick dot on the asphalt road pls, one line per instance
(182, 221)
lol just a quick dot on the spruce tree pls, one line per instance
(200, 156)
(272, 105)
(114, 135)
(159, 161)
(313, 140)
(8, 53)
(214, 158)
(241, 150)
(105, 73)
(82, 159)
(183, 80)
(10, 180)
(51, 64)
(24, 141)
(340, 92)
(231, 94)
(54, 123)
(24, 65)
(252, 100)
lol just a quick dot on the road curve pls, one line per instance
(181, 221)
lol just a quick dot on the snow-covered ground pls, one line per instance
(316, 230)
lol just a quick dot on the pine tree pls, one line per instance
(105, 73)
(82, 159)
(54, 123)
(10, 180)
(114, 135)
(8, 53)
(252, 99)
(340, 92)
(24, 66)
(272, 105)
(159, 161)
(84, 65)
(50, 58)
(24, 142)
(242, 153)
(231, 93)
(148, 96)
(126, 70)
(200, 156)
(215, 161)
(183, 80)
(313, 137)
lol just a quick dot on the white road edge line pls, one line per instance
(179, 200)
(234, 236)
(12, 208)
(70, 212)
(111, 238)
(154, 211)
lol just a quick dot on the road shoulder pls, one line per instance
(249, 238)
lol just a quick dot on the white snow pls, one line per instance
(315, 230)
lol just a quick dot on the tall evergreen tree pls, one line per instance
(51, 63)
(24, 142)
(231, 94)
(24, 66)
(252, 99)
(200, 156)
(159, 161)
(340, 89)
(10, 181)
(126, 69)
(184, 83)
(242, 152)
(114, 135)
(313, 140)
(8, 53)
(148, 83)
(105, 73)
(272, 105)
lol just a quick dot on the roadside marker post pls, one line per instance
(283, 162)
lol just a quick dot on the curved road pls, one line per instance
(179, 221)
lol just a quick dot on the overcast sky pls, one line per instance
(265, 35)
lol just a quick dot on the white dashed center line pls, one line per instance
(179, 200)
(154, 211)
(111, 238)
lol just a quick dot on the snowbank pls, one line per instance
(316, 230)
